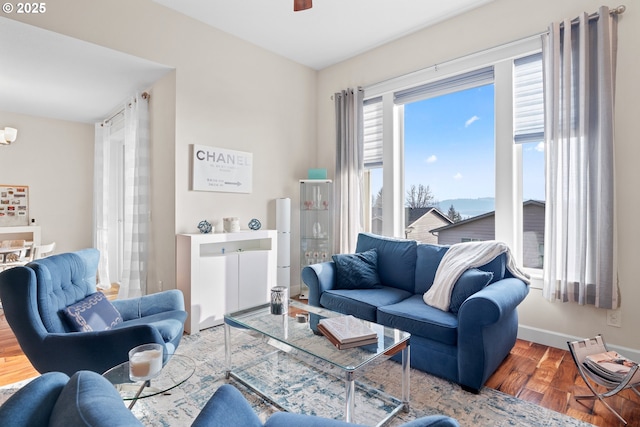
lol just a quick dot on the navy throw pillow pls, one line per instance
(93, 313)
(357, 271)
(470, 282)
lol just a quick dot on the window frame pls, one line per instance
(508, 161)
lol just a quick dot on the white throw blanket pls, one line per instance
(458, 259)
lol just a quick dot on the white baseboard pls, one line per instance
(554, 339)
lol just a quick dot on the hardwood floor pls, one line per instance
(543, 375)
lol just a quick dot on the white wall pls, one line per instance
(224, 93)
(55, 159)
(497, 23)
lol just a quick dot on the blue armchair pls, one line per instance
(34, 297)
(54, 399)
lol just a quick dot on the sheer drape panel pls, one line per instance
(136, 198)
(579, 74)
(349, 168)
(101, 200)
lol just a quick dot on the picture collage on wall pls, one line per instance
(14, 205)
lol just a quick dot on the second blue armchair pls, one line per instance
(34, 298)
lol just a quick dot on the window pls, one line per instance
(528, 106)
(512, 158)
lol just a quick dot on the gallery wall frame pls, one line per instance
(14, 205)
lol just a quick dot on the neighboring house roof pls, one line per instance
(414, 214)
(484, 215)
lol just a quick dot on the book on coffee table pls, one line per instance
(347, 331)
(342, 346)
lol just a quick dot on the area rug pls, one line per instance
(301, 387)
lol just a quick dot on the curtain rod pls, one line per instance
(144, 95)
(615, 11)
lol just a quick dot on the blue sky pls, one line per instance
(449, 146)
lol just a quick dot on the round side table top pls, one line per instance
(176, 371)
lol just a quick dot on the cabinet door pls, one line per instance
(254, 279)
(217, 292)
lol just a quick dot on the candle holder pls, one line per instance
(279, 300)
(145, 362)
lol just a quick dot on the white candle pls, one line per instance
(145, 364)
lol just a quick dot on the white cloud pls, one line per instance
(432, 159)
(457, 176)
(540, 147)
(471, 120)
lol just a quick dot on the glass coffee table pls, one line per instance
(289, 335)
(175, 371)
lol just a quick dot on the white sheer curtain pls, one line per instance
(579, 75)
(101, 200)
(136, 197)
(349, 168)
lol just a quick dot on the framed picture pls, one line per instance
(14, 205)
(219, 169)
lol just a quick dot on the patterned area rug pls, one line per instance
(301, 387)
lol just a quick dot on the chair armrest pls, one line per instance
(135, 308)
(227, 407)
(95, 351)
(319, 278)
(32, 404)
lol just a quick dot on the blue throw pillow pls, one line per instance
(357, 271)
(470, 282)
(93, 313)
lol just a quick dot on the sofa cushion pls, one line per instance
(362, 303)
(396, 259)
(92, 313)
(470, 282)
(414, 316)
(428, 259)
(357, 271)
(498, 266)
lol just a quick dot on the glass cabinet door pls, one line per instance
(316, 224)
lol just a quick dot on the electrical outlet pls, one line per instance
(614, 318)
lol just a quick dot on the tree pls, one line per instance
(453, 214)
(377, 200)
(420, 197)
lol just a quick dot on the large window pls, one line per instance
(472, 138)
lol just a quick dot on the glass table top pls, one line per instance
(176, 371)
(303, 336)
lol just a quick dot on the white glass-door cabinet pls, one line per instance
(316, 224)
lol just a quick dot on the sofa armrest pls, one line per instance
(492, 302)
(146, 305)
(487, 330)
(319, 278)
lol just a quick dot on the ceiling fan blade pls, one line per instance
(299, 5)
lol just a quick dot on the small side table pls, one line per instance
(176, 371)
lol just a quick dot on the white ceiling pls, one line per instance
(47, 74)
(330, 32)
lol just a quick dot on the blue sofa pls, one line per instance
(465, 347)
(88, 399)
(35, 297)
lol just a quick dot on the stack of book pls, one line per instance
(347, 332)
(609, 365)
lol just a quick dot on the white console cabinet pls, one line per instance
(223, 272)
